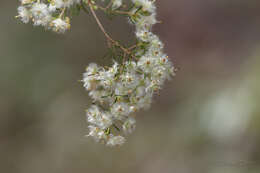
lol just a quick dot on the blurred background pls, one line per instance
(206, 120)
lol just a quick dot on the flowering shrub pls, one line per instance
(137, 72)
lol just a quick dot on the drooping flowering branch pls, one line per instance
(138, 72)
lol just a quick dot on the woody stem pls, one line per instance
(104, 31)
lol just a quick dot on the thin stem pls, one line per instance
(115, 11)
(117, 128)
(62, 13)
(104, 31)
(109, 5)
(132, 47)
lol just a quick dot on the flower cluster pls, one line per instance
(51, 14)
(121, 90)
(137, 73)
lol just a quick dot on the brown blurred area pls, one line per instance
(206, 120)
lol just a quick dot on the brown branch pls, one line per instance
(104, 31)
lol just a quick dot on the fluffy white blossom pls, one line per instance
(60, 25)
(24, 14)
(52, 8)
(64, 3)
(24, 2)
(97, 133)
(147, 5)
(146, 21)
(129, 125)
(39, 11)
(115, 141)
(118, 91)
(120, 110)
(100, 118)
(50, 14)
(116, 4)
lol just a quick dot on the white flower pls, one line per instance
(106, 79)
(97, 133)
(40, 10)
(144, 102)
(155, 43)
(100, 96)
(100, 118)
(91, 69)
(145, 22)
(120, 89)
(130, 66)
(24, 14)
(130, 80)
(65, 3)
(147, 5)
(58, 3)
(143, 35)
(41, 14)
(120, 110)
(52, 8)
(90, 82)
(146, 63)
(140, 91)
(42, 21)
(129, 125)
(114, 69)
(23, 2)
(90, 77)
(59, 25)
(115, 141)
(116, 4)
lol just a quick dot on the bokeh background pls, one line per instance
(206, 120)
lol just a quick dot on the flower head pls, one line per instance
(24, 14)
(59, 25)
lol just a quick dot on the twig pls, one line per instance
(115, 11)
(109, 5)
(132, 47)
(104, 31)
